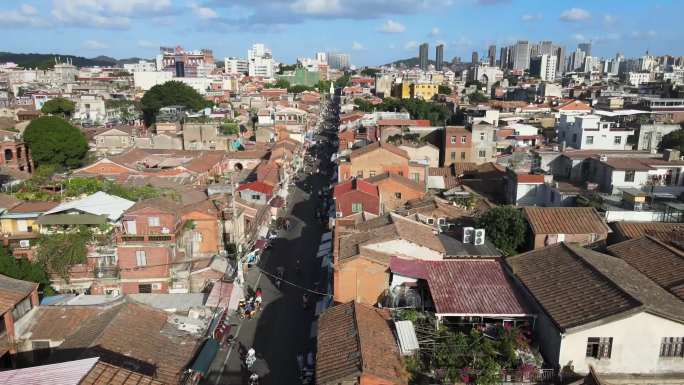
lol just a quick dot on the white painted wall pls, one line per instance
(406, 248)
(636, 346)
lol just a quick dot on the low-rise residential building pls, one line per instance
(484, 141)
(578, 225)
(589, 132)
(457, 145)
(114, 140)
(356, 196)
(395, 190)
(20, 228)
(373, 160)
(17, 298)
(423, 153)
(650, 135)
(256, 192)
(587, 314)
(357, 345)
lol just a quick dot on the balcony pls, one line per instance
(106, 271)
(134, 238)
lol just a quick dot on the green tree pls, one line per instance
(673, 140)
(323, 86)
(442, 89)
(280, 83)
(370, 72)
(342, 81)
(59, 252)
(59, 106)
(477, 97)
(505, 227)
(21, 268)
(53, 141)
(171, 93)
(299, 89)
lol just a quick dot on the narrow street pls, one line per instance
(282, 329)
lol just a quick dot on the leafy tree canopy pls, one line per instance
(53, 141)
(673, 140)
(477, 97)
(442, 89)
(371, 72)
(505, 227)
(59, 106)
(171, 93)
(437, 114)
(342, 81)
(21, 268)
(59, 252)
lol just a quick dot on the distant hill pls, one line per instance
(410, 62)
(44, 61)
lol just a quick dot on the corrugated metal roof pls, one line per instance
(65, 373)
(406, 333)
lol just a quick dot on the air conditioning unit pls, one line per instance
(156, 286)
(165, 230)
(468, 233)
(479, 237)
(24, 243)
(603, 157)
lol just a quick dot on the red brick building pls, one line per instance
(457, 145)
(356, 196)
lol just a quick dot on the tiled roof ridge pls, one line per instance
(671, 248)
(598, 271)
(357, 335)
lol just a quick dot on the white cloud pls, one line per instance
(94, 45)
(28, 9)
(575, 14)
(147, 44)
(26, 15)
(411, 45)
(317, 7)
(204, 13)
(643, 34)
(531, 17)
(391, 26)
(609, 19)
(579, 37)
(356, 46)
(116, 14)
(434, 32)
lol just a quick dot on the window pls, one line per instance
(141, 257)
(617, 140)
(431, 221)
(145, 289)
(672, 347)
(371, 173)
(357, 207)
(629, 175)
(453, 155)
(464, 139)
(153, 221)
(574, 138)
(482, 153)
(397, 195)
(599, 347)
(453, 140)
(256, 197)
(359, 174)
(22, 226)
(463, 155)
(415, 176)
(590, 140)
(482, 136)
(22, 308)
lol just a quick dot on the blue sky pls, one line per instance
(372, 31)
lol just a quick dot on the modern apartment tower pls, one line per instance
(491, 55)
(475, 58)
(439, 57)
(586, 47)
(423, 56)
(521, 55)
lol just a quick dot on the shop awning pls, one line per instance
(205, 357)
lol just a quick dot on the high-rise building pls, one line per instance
(491, 55)
(521, 55)
(439, 57)
(423, 56)
(577, 60)
(547, 48)
(321, 57)
(260, 62)
(544, 66)
(475, 58)
(560, 59)
(234, 66)
(167, 58)
(504, 58)
(338, 61)
(586, 47)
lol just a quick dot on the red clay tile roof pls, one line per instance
(411, 268)
(404, 122)
(565, 220)
(377, 146)
(656, 260)
(627, 164)
(161, 204)
(13, 291)
(575, 105)
(105, 374)
(472, 287)
(576, 286)
(257, 186)
(659, 230)
(355, 339)
(397, 178)
(530, 178)
(33, 207)
(355, 185)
